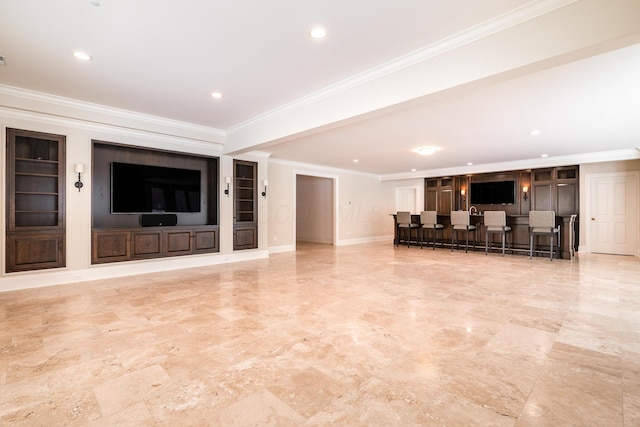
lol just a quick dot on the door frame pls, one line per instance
(589, 178)
(335, 180)
(419, 207)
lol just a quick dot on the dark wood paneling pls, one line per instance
(105, 153)
(430, 199)
(445, 205)
(542, 195)
(567, 200)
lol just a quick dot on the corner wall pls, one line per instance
(362, 209)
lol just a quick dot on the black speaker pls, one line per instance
(158, 220)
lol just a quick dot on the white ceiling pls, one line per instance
(165, 59)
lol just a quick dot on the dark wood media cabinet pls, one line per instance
(117, 237)
(128, 244)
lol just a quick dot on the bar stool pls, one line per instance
(429, 221)
(543, 223)
(460, 221)
(404, 222)
(495, 222)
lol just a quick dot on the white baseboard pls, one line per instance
(283, 248)
(346, 242)
(28, 280)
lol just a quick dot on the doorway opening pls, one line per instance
(315, 209)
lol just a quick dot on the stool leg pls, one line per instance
(486, 242)
(434, 237)
(466, 242)
(530, 246)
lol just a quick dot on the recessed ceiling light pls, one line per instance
(413, 169)
(216, 95)
(355, 160)
(535, 132)
(544, 155)
(469, 164)
(318, 33)
(82, 56)
(94, 3)
(425, 151)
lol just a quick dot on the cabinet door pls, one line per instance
(542, 197)
(567, 199)
(179, 242)
(431, 200)
(445, 202)
(245, 237)
(110, 246)
(34, 251)
(205, 241)
(146, 244)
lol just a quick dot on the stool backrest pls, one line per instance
(429, 218)
(404, 217)
(542, 219)
(460, 218)
(495, 218)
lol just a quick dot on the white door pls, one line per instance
(613, 216)
(406, 199)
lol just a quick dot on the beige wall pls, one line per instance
(362, 207)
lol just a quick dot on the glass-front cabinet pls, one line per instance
(245, 192)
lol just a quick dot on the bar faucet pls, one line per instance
(473, 210)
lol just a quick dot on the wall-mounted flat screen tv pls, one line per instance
(493, 193)
(153, 189)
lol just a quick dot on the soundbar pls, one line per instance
(158, 220)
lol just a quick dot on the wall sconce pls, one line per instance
(525, 191)
(79, 169)
(227, 179)
(264, 193)
(463, 193)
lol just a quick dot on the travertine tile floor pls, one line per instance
(366, 335)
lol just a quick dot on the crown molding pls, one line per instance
(576, 159)
(102, 128)
(174, 127)
(499, 23)
(321, 169)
